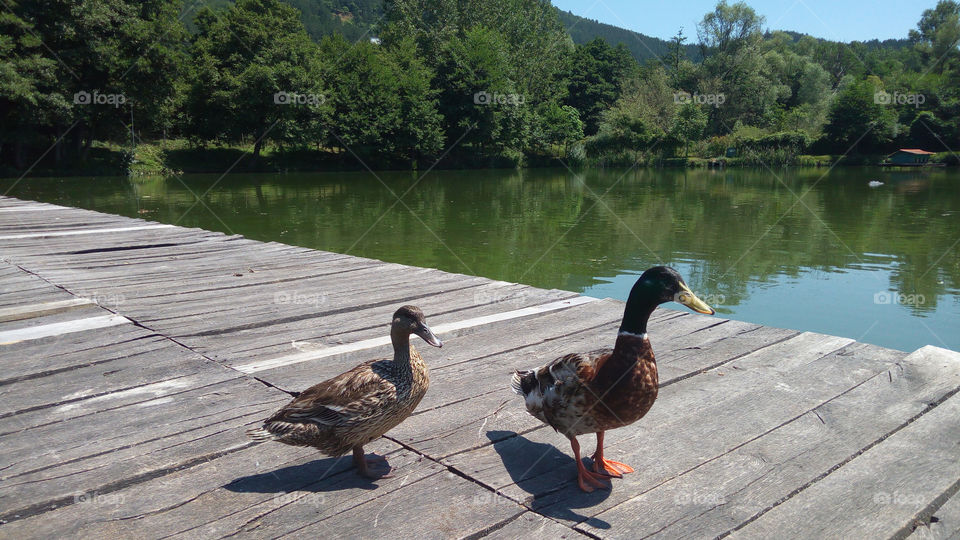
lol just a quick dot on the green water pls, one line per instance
(799, 249)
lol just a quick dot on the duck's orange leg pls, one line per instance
(613, 468)
(585, 479)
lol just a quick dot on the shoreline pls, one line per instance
(177, 157)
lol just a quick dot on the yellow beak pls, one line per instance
(687, 298)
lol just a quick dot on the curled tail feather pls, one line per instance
(523, 382)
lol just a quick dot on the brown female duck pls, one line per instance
(609, 388)
(350, 410)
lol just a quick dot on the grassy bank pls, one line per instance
(180, 156)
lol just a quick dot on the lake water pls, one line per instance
(803, 249)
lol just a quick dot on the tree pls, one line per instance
(689, 124)
(859, 121)
(30, 99)
(595, 79)
(382, 106)
(677, 53)
(111, 56)
(938, 34)
(558, 125)
(735, 71)
(257, 75)
(728, 28)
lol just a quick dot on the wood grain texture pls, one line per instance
(137, 430)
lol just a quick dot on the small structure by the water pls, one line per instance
(909, 157)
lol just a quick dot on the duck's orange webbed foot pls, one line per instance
(613, 468)
(602, 465)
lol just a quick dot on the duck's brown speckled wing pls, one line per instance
(350, 397)
(559, 392)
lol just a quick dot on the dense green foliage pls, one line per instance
(477, 82)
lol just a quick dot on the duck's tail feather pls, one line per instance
(523, 382)
(261, 434)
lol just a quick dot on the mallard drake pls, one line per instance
(601, 390)
(350, 410)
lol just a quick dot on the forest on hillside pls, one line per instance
(477, 83)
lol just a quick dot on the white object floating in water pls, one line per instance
(874, 183)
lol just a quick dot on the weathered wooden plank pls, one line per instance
(34, 358)
(945, 523)
(721, 494)
(60, 328)
(113, 447)
(38, 310)
(880, 492)
(218, 497)
(444, 505)
(443, 328)
(48, 234)
(532, 525)
(692, 418)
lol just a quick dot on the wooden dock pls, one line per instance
(135, 354)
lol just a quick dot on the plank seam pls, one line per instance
(924, 517)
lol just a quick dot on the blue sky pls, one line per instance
(830, 19)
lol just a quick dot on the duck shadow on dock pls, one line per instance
(549, 475)
(319, 475)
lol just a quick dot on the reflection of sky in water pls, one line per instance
(851, 303)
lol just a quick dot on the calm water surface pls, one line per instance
(788, 248)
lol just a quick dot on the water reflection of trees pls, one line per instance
(550, 228)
